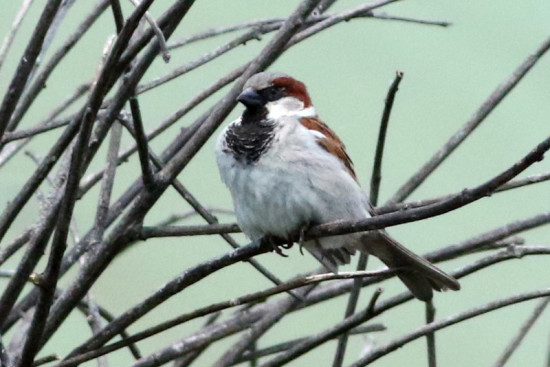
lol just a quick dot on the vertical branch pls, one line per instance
(350, 310)
(430, 337)
(377, 167)
(107, 182)
(141, 139)
(142, 145)
(374, 191)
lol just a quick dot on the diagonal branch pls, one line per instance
(448, 321)
(8, 40)
(522, 332)
(26, 64)
(51, 275)
(477, 118)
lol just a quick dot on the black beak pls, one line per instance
(251, 99)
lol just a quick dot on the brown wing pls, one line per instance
(331, 143)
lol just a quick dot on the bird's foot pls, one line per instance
(276, 243)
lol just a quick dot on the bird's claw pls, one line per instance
(303, 230)
(276, 243)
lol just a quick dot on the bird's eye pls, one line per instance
(272, 93)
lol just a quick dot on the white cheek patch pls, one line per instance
(288, 106)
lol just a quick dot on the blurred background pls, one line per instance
(448, 73)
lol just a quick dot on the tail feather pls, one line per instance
(330, 258)
(423, 276)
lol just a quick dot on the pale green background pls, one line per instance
(448, 74)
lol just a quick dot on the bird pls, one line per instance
(287, 171)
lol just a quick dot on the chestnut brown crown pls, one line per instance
(269, 86)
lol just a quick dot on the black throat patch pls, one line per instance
(248, 140)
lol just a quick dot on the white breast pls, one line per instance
(295, 182)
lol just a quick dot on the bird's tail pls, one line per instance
(331, 258)
(419, 275)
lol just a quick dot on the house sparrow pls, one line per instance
(287, 171)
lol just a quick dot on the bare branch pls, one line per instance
(377, 167)
(142, 145)
(158, 33)
(448, 321)
(34, 338)
(478, 117)
(26, 64)
(282, 347)
(430, 337)
(522, 332)
(108, 182)
(256, 330)
(8, 40)
(39, 83)
(513, 184)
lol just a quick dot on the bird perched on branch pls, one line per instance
(288, 171)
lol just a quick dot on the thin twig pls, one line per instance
(142, 145)
(477, 118)
(275, 23)
(341, 327)
(188, 358)
(158, 33)
(7, 251)
(440, 23)
(259, 328)
(177, 217)
(34, 338)
(513, 184)
(374, 192)
(522, 332)
(46, 359)
(430, 337)
(241, 321)
(448, 321)
(350, 310)
(108, 182)
(39, 82)
(497, 234)
(377, 167)
(8, 40)
(217, 307)
(26, 64)
(200, 210)
(10, 150)
(282, 347)
(253, 34)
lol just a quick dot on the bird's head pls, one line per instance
(276, 95)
